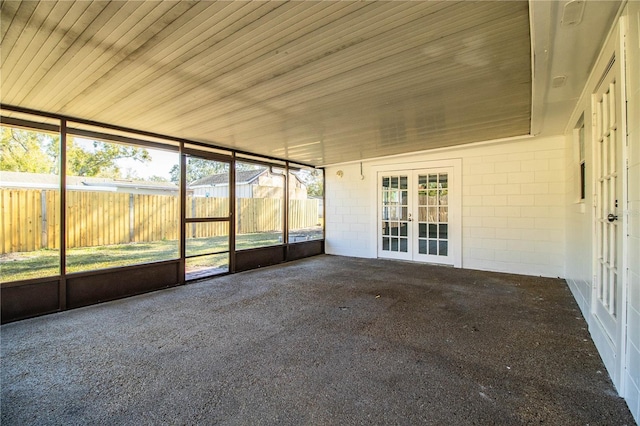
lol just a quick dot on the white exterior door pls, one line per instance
(394, 217)
(608, 275)
(431, 215)
(418, 216)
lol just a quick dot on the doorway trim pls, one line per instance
(455, 203)
(612, 349)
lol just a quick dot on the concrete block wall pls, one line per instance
(513, 198)
(347, 210)
(579, 217)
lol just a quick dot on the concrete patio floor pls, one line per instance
(325, 340)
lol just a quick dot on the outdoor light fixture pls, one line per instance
(573, 12)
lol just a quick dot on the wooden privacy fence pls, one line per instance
(30, 218)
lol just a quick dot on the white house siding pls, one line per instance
(512, 205)
(220, 191)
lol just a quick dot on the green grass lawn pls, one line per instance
(44, 263)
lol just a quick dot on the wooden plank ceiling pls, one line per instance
(314, 82)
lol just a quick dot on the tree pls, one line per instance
(101, 159)
(156, 178)
(312, 179)
(198, 168)
(36, 152)
(315, 189)
(24, 151)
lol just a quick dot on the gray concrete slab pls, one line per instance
(325, 340)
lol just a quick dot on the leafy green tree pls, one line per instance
(22, 151)
(174, 173)
(198, 168)
(312, 179)
(36, 152)
(101, 159)
(315, 189)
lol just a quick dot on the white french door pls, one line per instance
(394, 238)
(608, 206)
(418, 216)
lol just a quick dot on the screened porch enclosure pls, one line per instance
(90, 213)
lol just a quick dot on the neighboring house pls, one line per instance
(83, 183)
(259, 183)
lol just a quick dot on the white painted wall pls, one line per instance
(579, 214)
(632, 376)
(579, 218)
(513, 198)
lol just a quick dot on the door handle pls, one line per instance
(410, 219)
(612, 217)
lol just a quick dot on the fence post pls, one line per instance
(193, 214)
(132, 217)
(44, 239)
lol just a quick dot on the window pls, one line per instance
(581, 157)
(260, 205)
(29, 204)
(121, 203)
(118, 203)
(306, 190)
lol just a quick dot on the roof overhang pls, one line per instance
(313, 82)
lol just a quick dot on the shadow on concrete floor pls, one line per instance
(325, 340)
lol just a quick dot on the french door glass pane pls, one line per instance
(422, 230)
(442, 248)
(433, 214)
(443, 180)
(395, 213)
(403, 182)
(433, 247)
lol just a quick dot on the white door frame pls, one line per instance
(612, 349)
(455, 201)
